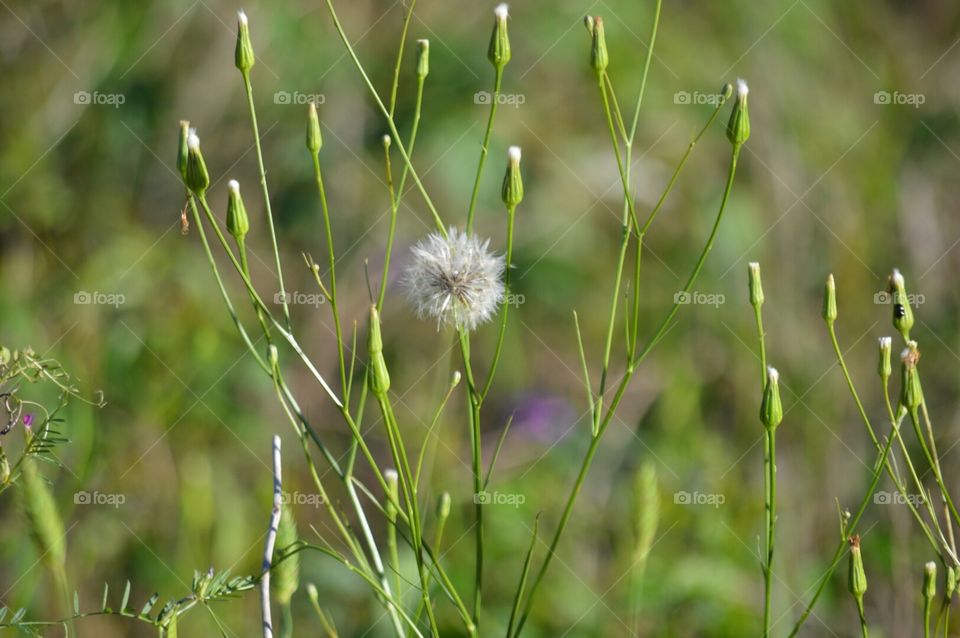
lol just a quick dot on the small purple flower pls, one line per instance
(543, 416)
(27, 420)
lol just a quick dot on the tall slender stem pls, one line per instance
(485, 147)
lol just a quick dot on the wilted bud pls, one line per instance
(756, 288)
(738, 128)
(930, 581)
(902, 313)
(857, 581)
(911, 395)
(237, 222)
(197, 177)
(771, 410)
(885, 369)
(599, 58)
(830, 300)
(423, 58)
(314, 139)
(243, 56)
(512, 190)
(182, 150)
(379, 377)
(499, 52)
(443, 506)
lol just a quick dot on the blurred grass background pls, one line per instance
(830, 181)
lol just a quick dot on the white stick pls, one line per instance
(271, 541)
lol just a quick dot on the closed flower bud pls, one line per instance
(588, 23)
(951, 584)
(392, 479)
(830, 300)
(738, 128)
(379, 377)
(756, 288)
(771, 410)
(197, 177)
(314, 139)
(237, 222)
(902, 313)
(182, 150)
(930, 581)
(857, 580)
(273, 356)
(443, 506)
(286, 572)
(599, 58)
(726, 91)
(243, 56)
(911, 395)
(499, 52)
(885, 369)
(512, 191)
(4, 468)
(423, 58)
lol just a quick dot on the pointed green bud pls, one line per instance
(771, 410)
(443, 506)
(857, 580)
(197, 177)
(599, 58)
(423, 58)
(182, 150)
(237, 222)
(756, 288)
(726, 91)
(885, 369)
(392, 479)
(314, 139)
(738, 128)
(379, 377)
(588, 24)
(911, 395)
(512, 190)
(499, 52)
(830, 301)
(902, 313)
(930, 581)
(243, 56)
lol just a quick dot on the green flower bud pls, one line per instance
(314, 139)
(830, 301)
(588, 23)
(243, 55)
(512, 190)
(443, 506)
(599, 58)
(197, 177)
(182, 150)
(499, 52)
(738, 128)
(4, 468)
(756, 288)
(771, 410)
(857, 581)
(393, 492)
(884, 368)
(911, 395)
(379, 377)
(423, 58)
(930, 581)
(902, 313)
(726, 91)
(237, 222)
(286, 573)
(951, 584)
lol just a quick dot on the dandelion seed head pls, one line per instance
(455, 279)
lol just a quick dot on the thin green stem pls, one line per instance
(476, 453)
(502, 329)
(396, 68)
(770, 463)
(485, 147)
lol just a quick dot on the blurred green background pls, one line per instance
(835, 178)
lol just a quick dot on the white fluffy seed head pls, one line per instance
(513, 154)
(501, 11)
(772, 374)
(234, 185)
(242, 17)
(742, 88)
(886, 342)
(193, 140)
(897, 278)
(455, 280)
